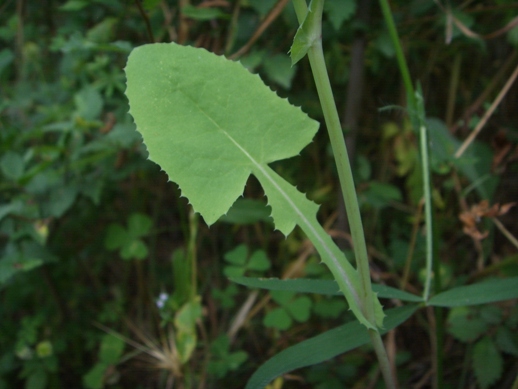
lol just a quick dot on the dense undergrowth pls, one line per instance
(100, 255)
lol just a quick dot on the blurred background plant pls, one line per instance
(108, 280)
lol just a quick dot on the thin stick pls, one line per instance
(488, 114)
(505, 231)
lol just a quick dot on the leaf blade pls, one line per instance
(193, 138)
(481, 293)
(322, 347)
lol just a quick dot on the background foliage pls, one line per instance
(100, 258)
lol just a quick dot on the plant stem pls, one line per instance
(325, 94)
(334, 128)
(383, 359)
(403, 68)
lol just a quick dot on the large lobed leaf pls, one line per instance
(181, 97)
(186, 127)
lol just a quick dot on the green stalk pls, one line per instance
(403, 68)
(323, 85)
(334, 128)
(418, 118)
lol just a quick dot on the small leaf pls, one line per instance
(111, 349)
(139, 225)
(94, 379)
(282, 297)
(205, 13)
(465, 325)
(379, 195)
(487, 362)
(44, 349)
(135, 249)
(258, 261)
(12, 165)
(89, 103)
(308, 33)
(74, 5)
(300, 308)
(234, 271)
(185, 344)
(491, 314)
(185, 318)
(278, 69)
(116, 237)
(278, 318)
(338, 11)
(237, 256)
(150, 4)
(506, 340)
(37, 379)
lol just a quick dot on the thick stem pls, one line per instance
(325, 94)
(383, 359)
(334, 128)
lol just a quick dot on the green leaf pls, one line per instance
(237, 256)
(379, 195)
(94, 379)
(465, 325)
(300, 308)
(185, 318)
(6, 58)
(278, 318)
(103, 31)
(222, 360)
(135, 250)
(282, 297)
(74, 5)
(139, 225)
(302, 285)
(111, 349)
(308, 33)
(206, 13)
(180, 98)
(116, 237)
(89, 103)
(12, 165)
(323, 347)
(278, 69)
(37, 380)
(506, 340)
(185, 344)
(258, 261)
(482, 293)
(234, 271)
(512, 36)
(384, 44)
(150, 4)
(338, 11)
(487, 362)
